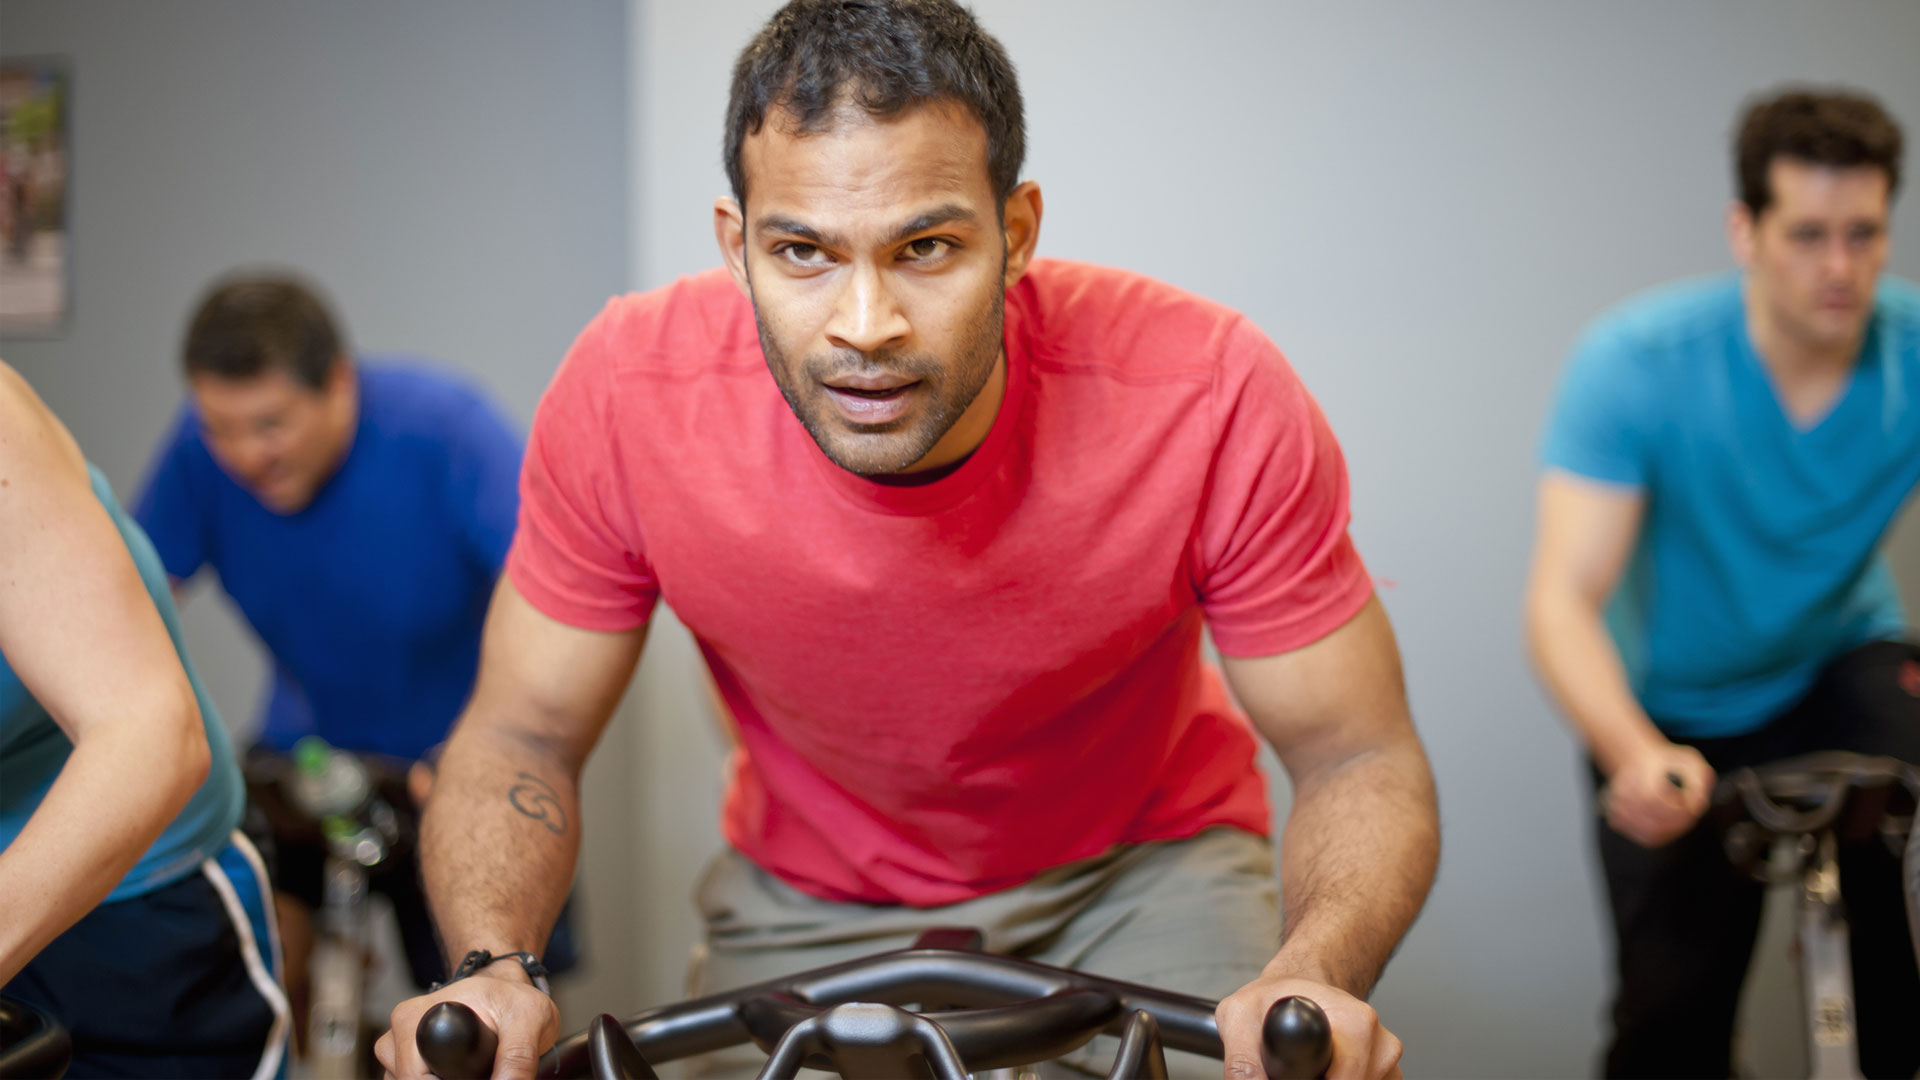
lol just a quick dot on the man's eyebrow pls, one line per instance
(938, 216)
(778, 223)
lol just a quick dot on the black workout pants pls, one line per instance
(1685, 921)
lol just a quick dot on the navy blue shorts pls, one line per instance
(179, 982)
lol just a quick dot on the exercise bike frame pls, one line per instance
(1796, 813)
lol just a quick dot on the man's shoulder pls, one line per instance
(414, 383)
(1102, 319)
(1896, 304)
(685, 326)
(410, 398)
(1673, 317)
(649, 350)
(1672, 331)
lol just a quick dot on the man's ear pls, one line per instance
(1741, 229)
(1022, 216)
(730, 232)
(341, 378)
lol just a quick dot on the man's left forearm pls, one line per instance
(1361, 842)
(1357, 858)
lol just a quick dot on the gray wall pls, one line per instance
(454, 172)
(1421, 203)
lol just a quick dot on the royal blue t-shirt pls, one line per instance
(34, 749)
(1758, 560)
(370, 599)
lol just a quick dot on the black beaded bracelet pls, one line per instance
(480, 958)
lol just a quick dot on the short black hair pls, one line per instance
(885, 55)
(251, 324)
(1840, 128)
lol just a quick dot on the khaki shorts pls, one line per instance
(1199, 916)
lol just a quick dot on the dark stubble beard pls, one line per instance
(949, 388)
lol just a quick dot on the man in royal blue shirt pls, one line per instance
(1721, 467)
(357, 512)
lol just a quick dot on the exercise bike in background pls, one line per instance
(1783, 823)
(358, 807)
(345, 801)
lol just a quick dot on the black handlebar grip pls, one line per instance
(1296, 1042)
(455, 1044)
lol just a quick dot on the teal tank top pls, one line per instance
(33, 749)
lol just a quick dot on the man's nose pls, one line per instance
(866, 315)
(248, 455)
(1840, 258)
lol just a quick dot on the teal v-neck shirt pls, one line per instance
(1758, 559)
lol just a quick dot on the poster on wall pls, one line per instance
(35, 284)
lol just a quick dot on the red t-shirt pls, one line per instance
(943, 690)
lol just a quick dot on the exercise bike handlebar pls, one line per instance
(1851, 793)
(1003, 1012)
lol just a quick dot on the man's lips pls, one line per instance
(869, 384)
(872, 400)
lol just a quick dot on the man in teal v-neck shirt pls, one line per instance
(1722, 463)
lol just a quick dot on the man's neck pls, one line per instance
(347, 427)
(1808, 377)
(1790, 356)
(921, 478)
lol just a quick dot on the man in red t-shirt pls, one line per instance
(955, 609)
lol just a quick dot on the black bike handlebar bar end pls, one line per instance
(31, 1042)
(455, 1044)
(1295, 1040)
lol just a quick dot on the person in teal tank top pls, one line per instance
(1721, 467)
(136, 912)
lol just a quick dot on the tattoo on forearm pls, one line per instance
(535, 798)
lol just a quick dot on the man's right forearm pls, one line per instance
(499, 839)
(1581, 665)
